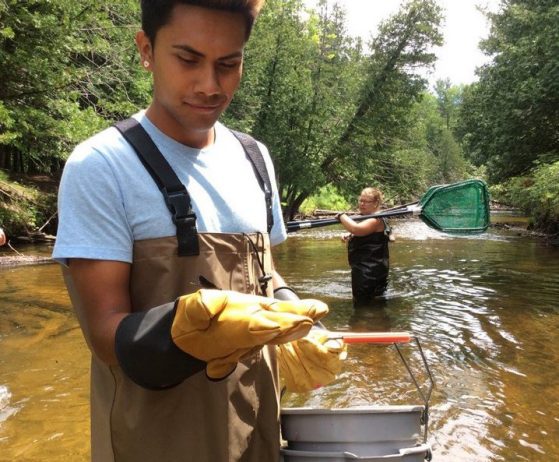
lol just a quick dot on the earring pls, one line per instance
(146, 63)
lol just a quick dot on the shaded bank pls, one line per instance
(28, 207)
(28, 213)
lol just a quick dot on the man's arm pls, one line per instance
(161, 347)
(281, 290)
(139, 342)
(103, 287)
(277, 280)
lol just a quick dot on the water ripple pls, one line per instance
(6, 410)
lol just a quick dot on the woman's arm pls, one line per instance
(363, 228)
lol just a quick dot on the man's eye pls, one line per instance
(229, 64)
(187, 60)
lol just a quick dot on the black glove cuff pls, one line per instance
(146, 352)
(285, 293)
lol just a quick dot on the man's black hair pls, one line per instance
(157, 13)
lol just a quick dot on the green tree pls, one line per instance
(370, 149)
(509, 120)
(437, 116)
(329, 112)
(449, 99)
(300, 84)
(68, 67)
(332, 113)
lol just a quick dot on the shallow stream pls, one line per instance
(485, 309)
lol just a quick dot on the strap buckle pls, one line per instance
(188, 222)
(178, 204)
(184, 219)
(263, 280)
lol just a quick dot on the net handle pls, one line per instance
(433, 194)
(293, 226)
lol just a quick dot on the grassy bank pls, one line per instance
(536, 194)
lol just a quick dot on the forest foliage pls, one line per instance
(509, 119)
(337, 112)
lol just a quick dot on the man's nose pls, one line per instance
(208, 82)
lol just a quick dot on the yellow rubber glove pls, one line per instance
(221, 326)
(310, 362)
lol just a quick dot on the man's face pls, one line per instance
(197, 65)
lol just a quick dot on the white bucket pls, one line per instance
(364, 431)
(415, 454)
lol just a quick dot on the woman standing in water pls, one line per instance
(367, 249)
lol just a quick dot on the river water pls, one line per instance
(485, 309)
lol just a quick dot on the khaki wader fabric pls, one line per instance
(236, 419)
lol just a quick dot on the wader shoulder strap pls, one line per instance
(175, 194)
(255, 156)
(387, 228)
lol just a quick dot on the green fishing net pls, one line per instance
(461, 208)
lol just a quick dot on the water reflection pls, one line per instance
(485, 309)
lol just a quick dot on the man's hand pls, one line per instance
(220, 327)
(311, 362)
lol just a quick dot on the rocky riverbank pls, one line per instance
(15, 259)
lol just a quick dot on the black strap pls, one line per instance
(255, 156)
(387, 227)
(175, 194)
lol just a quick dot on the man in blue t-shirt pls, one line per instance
(153, 317)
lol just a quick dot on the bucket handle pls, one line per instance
(396, 338)
(425, 396)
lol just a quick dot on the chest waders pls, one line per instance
(159, 406)
(369, 260)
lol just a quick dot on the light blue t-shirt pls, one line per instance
(107, 199)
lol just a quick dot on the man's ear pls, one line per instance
(143, 43)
